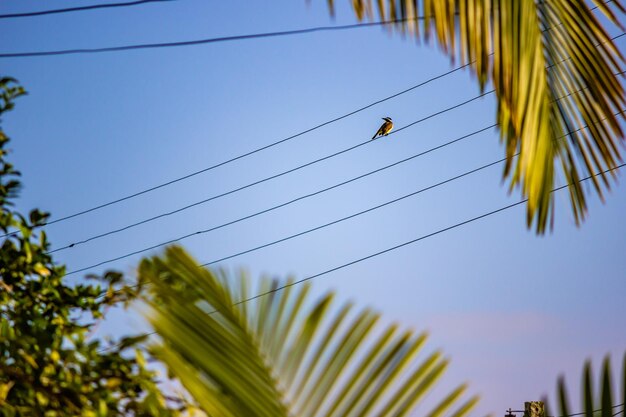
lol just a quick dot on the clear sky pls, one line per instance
(512, 310)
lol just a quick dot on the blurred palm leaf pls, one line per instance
(542, 51)
(595, 404)
(281, 356)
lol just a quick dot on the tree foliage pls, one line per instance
(553, 67)
(48, 364)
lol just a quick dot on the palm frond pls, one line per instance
(281, 355)
(595, 403)
(541, 51)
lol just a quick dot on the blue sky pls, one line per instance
(512, 310)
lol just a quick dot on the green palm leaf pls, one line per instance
(542, 51)
(595, 404)
(280, 355)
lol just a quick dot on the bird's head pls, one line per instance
(387, 119)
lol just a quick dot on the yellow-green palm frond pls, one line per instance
(281, 355)
(553, 68)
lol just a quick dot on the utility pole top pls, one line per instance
(534, 409)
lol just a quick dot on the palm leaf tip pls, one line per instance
(283, 355)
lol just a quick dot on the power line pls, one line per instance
(74, 244)
(184, 43)
(199, 41)
(307, 196)
(130, 196)
(79, 8)
(301, 197)
(595, 411)
(271, 177)
(236, 158)
(257, 182)
(316, 193)
(401, 245)
(319, 192)
(454, 226)
(387, 203)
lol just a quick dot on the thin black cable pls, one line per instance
(253, 151)
(80, 213)
(228, 161)
(387, 203)
(319, 192)
(184, 43)
(296, 199)
(297, 168)
(74, 244)
(373, 255)
(595, 411)
(333, 222)
(307, 196)
(79, 8)
(454, 226)
(200, 41)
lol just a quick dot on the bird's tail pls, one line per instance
(374, 137)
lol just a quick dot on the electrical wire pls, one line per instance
(242, 155)
(387, 203)
(74, 244)
(307, 196)
(317, 193)
(199, 41)
(79, 8)
(393, 248)
(254, 151)
(595, 411)
(410, 242)
(186, 43)
(271, 177)
(320, 192)
(136, 194)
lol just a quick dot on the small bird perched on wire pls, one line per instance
(385, 128)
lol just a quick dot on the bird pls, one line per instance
(385, 128)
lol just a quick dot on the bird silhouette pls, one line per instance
(385, 128)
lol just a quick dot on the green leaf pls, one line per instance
(5, 387)
(606, 401)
